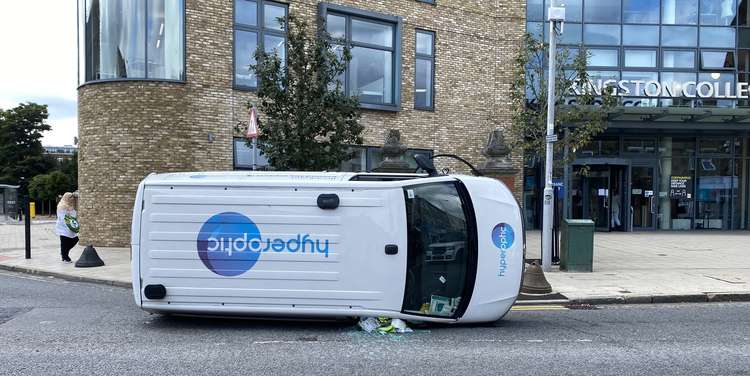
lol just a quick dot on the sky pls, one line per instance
(38, 62)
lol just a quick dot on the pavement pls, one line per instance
(55, 327)
(643, 267)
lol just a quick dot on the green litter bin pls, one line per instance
(577, 245)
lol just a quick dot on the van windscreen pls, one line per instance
(438, 251)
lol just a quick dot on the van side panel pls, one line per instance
(308, 259)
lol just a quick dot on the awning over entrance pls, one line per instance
(680, 117)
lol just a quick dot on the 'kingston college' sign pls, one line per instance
(668, 89)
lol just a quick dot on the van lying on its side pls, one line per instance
(442, 248)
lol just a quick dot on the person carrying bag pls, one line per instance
(67, 226)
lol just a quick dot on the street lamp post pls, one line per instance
(555, 15)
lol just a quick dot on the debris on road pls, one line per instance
(383, 325)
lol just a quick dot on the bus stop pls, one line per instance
(8, 201)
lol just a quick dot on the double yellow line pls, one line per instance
(544, 307)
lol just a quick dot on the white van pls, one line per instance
(441, 248)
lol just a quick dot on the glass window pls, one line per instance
(372, 33)
(678, 59)
(640, 11)
(743, 40)
(639, 79)
(718, 12)
(715, 145)
(601, 34)
(131, 39)
(274, 44)
(743, 60)
(273, 16)
(679, 36)
(165, 40)
(248, 36)
(336, 26)
(537, 31)
(743, 18)
(640, 35)
(717, 37)
(245, 44)
(371, 74)
(603, 58)
(640, 58)
(671, 78)
(720, 79)
(717, 59)
(246, 12)
(438, 250)
(602, 11)
(676, 208)
(535, 10)
(716, 185)
(425, 42)
(571, 34)
(424, 80)
(679, 12)
(595, 76)
(639, 145)
(243, 156)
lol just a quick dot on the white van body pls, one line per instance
(442, 249)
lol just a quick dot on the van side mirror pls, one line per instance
(425, 163)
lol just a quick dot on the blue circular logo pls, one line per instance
(229, 244)
(503, 236)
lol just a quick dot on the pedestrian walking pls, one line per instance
(67, 226)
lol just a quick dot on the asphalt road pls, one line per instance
(49, 326)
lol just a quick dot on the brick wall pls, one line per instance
(130, 129)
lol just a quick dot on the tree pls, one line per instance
(308, 119)
(580, 105)
(70, 168)
(21, 152)
(48, 187)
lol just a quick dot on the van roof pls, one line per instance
(219, 177)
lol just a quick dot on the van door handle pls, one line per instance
(391, 249)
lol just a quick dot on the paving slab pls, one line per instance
(45, 257)
(659, 265)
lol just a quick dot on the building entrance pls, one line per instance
(600, 197)
(643, 197)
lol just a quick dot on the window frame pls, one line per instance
(260, 31)
(431, 58)
(83, 68)
(396, 22)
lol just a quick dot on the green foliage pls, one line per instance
(21, 152)
(49, 186)
(585, 119)
(308, 120)
(70, 168)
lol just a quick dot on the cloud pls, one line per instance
(40, 64)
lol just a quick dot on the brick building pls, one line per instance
(163, 84)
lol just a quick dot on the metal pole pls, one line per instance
(547, 212)
(255, 151)
(27, 225)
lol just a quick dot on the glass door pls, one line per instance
(598, 198)
(643, 197)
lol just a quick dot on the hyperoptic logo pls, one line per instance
(503, 237)
(230, 244)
